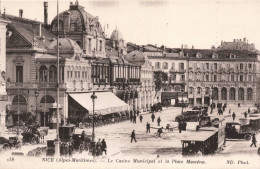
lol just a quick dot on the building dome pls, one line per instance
(136, 57)
(116, 35)
(76, 19)
(66, 44)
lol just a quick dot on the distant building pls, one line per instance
(174, 63)
(238, 44)
(146, 91)
(226, 76)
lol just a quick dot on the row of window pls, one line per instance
(232, 78)
(232, 93)
(165, 65)
(80, 75)
(99, 46)
(240, 66)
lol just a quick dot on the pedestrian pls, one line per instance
(229, 111)
(158, 121)
(249, 110)
(180, 126)
(245, 114)
(131, 115)
(62, 121)
(98, 146)
(133, 136)
(253, 140)
(141, 118)
(134, 119)
(148, 127)
(83, 136)
(103, 147)
(153, 117)
(138, 112)
(70, 149)
(233, 116)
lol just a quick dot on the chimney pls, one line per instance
(45, 4)
(37, 29)
(20, 13)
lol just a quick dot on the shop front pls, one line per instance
(105, 106)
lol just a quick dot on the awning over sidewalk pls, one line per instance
(105, 103)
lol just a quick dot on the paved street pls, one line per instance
(118, 138)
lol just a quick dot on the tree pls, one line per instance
(160, 80)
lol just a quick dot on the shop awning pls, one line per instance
(106, 102)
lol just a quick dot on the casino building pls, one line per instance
(88, 62)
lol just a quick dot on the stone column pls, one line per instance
(144, 100)
(139, 100)
(202, 98)
(219, 94)
(2, 122)
(236, 92)
(227, 95)
(194, 96)
(245, 95)
(148, 100)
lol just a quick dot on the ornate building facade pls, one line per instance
(146, 91)
(88, 62)
(222, 76)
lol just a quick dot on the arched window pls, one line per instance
(22, 100)
(223, 94)
(249, 94)
(47, 99)
(207, 91)
(215, 93)
(198, 90)
(165, 65)
(157, 65)
(43, 74)
(240, 94)
(232, 94)
(190, 90)
(53, 74)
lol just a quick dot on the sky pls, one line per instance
(198, 23)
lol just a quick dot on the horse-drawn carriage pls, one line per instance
(12, 142)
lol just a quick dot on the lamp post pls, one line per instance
(36, 96)
(212, 94)
(182, 91)
(212, 100)
(93, 97)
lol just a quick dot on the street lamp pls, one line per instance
(182, 91)
(36, 96)
(93, 97)
(212, 94)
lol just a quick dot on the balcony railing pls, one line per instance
(177, 81)
(177, 70)
(10, 85)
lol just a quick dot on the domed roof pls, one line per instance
(66, 44)
(136, 57)
(76, 19)
(116, 35)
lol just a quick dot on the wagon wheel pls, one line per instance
(247, 137)
(33, 140)
(155, 135)
(164, 135)
(18, 146)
